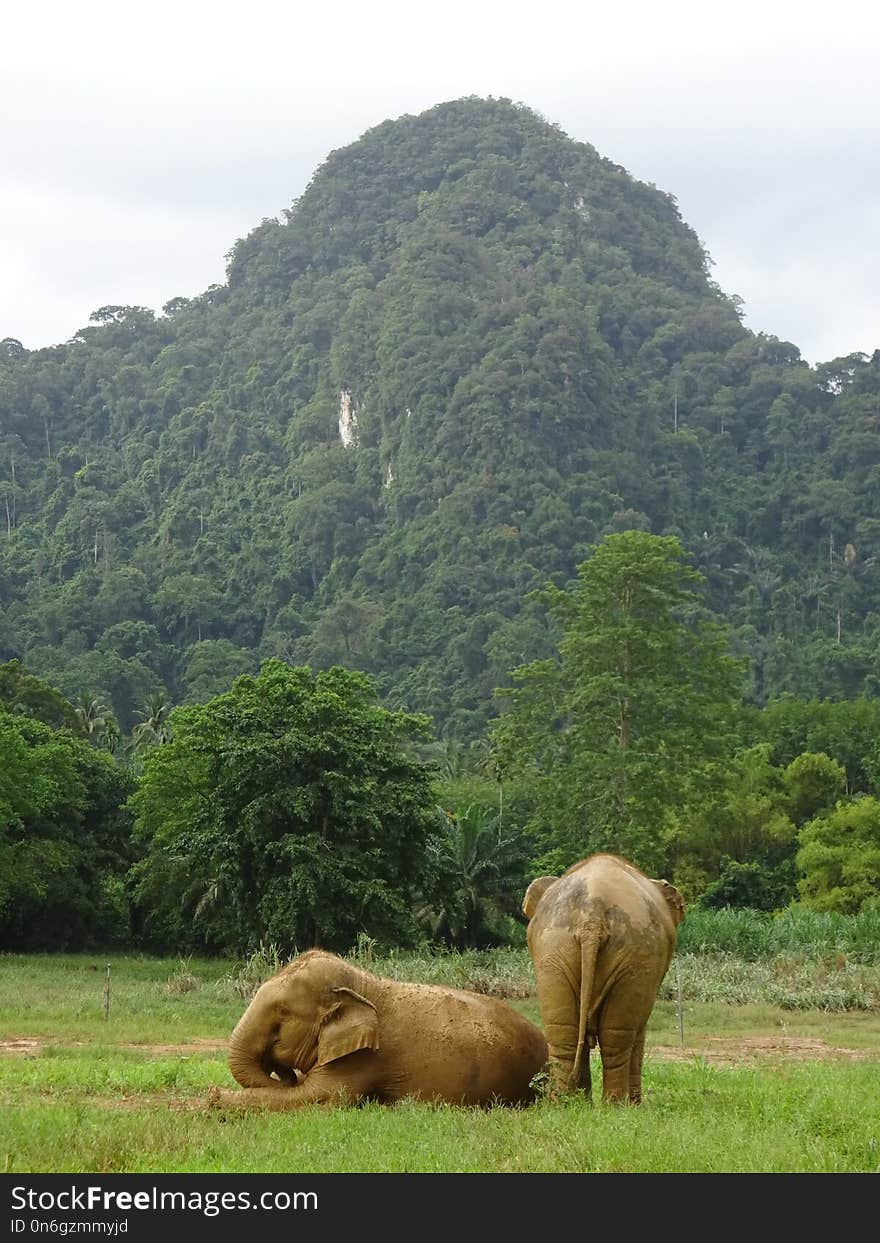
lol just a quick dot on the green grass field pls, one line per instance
(779, 1071)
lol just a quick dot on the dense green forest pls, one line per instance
(472, 354)
(295, 809)
(472, 348)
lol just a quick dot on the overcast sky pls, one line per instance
(140, 141)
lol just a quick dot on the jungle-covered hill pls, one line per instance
(470, 349)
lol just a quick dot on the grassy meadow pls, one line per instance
(778, 1071)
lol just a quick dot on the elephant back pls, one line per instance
(610, 888)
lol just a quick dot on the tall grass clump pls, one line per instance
(502, 972)
(183, 980)
(755, 935)
(243, 980)
(796, 983)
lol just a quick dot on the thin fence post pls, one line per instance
(680, 1006)
(107, 995)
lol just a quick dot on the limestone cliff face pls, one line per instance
(348, 419)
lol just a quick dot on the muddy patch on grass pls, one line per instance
(753, 1050)
(27, 1046)
(725, 1051)
(201, 1045)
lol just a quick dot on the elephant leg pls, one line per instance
(561, 1071)
(635, 1068)
(616, 1044)
(559, 1011)
(622, 1027)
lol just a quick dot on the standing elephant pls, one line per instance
(333, 1033)
(601, 937)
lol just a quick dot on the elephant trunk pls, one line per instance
(247, 1053)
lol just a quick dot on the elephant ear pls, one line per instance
(350, 1023)
(673, 900)
(535, 893)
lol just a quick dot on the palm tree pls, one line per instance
(92, 714)
(814, 586)
(485, 760)
(447, 756)
(153, 728)
(479, 877)
(110, 736)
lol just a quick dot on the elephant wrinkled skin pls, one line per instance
(601, 937)
(334, 1033)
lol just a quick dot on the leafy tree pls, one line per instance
(813, 783)
(286, 810)
(99, 673)
(839, 858)
(846, 731)
(739, 848)
(64, 840)
(635, 717)
(23, 693)
(213, 665)
(187, 598)
(11, 348)
(748, 884)
(746, 826)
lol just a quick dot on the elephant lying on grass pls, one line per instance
(333, 1033)
(601, 937)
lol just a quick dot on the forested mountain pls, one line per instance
(469, 350)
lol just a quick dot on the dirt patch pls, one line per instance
(27, 1046)
(202, 1045)
(716, 1050)
(752, 1050)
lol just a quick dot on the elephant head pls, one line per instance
(305, 1016)
(535, 893)
(673, 899)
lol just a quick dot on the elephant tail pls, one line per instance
(590, 940)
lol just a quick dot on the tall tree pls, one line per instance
(636, 714)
